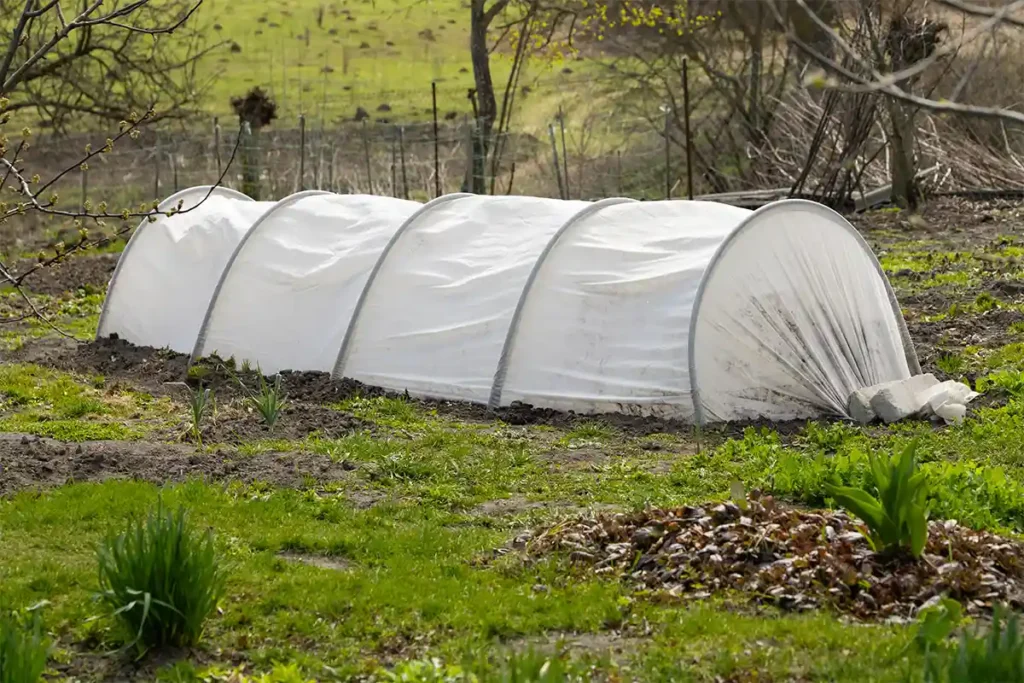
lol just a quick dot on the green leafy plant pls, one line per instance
(898, 518)
(1010, 382)
(269, 402)
(951, 363)
(200, 402)
(936, 623)
(161, 577)
(24, 647)
(198, 372)
(995, 657)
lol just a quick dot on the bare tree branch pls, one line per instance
(63, 68)
(979, 11)
(877, 83)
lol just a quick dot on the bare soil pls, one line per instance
(89, 271)
(245, 425)
(30, 462)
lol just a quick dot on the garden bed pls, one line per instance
(796, 559)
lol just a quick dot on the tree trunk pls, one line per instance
(756, 65)
(905, 190)
(250, 161)
(487, 105)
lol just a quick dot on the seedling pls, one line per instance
(269, 402)
(898, 519)
(200, 402)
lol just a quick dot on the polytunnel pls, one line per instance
(287, 292)
(162, 283)
(687, 310)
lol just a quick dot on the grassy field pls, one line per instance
(325, 59)
(366, 534)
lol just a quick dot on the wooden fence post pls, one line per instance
(302, 152)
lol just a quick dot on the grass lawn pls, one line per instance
(354, 552)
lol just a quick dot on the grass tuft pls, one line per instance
(23, 647)
(162, 579)
(997, 656)
(953, 364)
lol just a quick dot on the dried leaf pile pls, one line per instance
(792, 558)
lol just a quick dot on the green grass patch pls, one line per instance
(67, 430)
(958, 279)
(29, 385)
(923, 261)
(588, 433)
(46, 402)
(395, 412)
(412, 576)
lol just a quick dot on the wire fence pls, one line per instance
(415, 160)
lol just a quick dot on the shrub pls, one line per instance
(161, 577)
(995, 657)
(23, 647)
(897, 519)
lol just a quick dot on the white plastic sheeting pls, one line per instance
(164, 279)
(794, 315)
(437, 312)
(286, 297)
(688, 310)
(606, 323)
